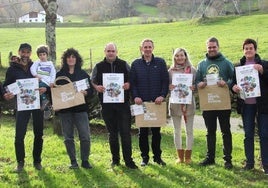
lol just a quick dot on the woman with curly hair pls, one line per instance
(77, 115)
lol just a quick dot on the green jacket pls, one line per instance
(215, 65)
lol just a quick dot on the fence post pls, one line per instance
(90, 60)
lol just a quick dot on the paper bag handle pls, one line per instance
(61, 78)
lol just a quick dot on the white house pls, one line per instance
(37, 17)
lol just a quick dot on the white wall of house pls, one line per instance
(37, 17)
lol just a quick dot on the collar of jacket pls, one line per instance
(106, 61)
(145, 60)
(257, 59)
(219, 55)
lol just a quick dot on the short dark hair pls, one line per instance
(213, 39)
(25, 46)
(42, 49)
(250, 41)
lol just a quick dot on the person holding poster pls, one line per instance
(71, 67)
(215, 69)
(149, 82)
(254, 107)
(182, 66)
(109, 77)
(20, 69)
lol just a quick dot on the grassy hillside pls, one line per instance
(231, 31)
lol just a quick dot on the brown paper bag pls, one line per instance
(65, 96)
(214, 98)
(154, 116)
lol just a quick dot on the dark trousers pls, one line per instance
(144, 143)
(22, 119)
(118, 121)
(263, 133)
(249, 119)
(210, 118)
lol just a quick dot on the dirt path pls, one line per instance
(236, 124)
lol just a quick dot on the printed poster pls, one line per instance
(13, 88)
(81, 85)
(182, 93)
(136, 109)
(212, 79)
(113, 83)
(28, 98)
(248, 80)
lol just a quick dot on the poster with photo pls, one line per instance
(113, 83)
(248, 80)
(13, 88)
(81, 85)
(182, 93)
(28, 98)
(136, 109)
(212, 79)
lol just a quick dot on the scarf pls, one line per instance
(184, 69)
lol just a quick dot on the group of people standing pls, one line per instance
(147, 80)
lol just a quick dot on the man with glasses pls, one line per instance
(215, 63)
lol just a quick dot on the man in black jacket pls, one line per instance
(116, 115)
(254, 107)
(20, 69)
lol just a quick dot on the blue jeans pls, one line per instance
(22, 119)
(80, 120)
(118, 121)
(263, 133)
(44, 95)
(249, 116)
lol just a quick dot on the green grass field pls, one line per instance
(231, 32)
(57, 174)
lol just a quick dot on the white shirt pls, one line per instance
(45, 70)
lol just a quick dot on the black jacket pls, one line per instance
(262, 101)
(118, 66)
(17, 71)
(78, 74)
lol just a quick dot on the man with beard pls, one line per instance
(20, 69)
(215, 63)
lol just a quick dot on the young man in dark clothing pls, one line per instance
(216, 63)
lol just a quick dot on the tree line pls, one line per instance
(104, 10)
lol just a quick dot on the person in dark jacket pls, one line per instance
(149, 81)
(116, 115)
(20, 69)
(216, 64)
(255, 107)
(77, 115)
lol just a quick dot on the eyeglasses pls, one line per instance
(111, 51)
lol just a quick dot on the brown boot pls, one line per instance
(180, 156)
(188, 154)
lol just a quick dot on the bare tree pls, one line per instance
(50, 7)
